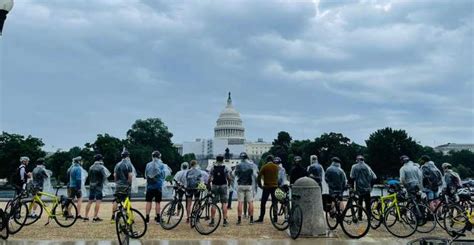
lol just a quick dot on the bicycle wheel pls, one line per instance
(425, 217)
(279, 217)
(16, 213)
(32, 218)
(138, 225)
(121, 227)
(455, 219)
(171, 215)
(205, 225)
(355, 222)
(332, 218)
(195, 208)
(439, 212)
(4, 234)
(65, 214)
(295, 221)
(400, 222)
(376, 213)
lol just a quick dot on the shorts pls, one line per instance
(95, 194)
(193, 193)
(122, 192)
(431, 194)
(153, 194)
(220, 193)
(244, 193)
(74, 193)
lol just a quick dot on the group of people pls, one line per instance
(220, 180)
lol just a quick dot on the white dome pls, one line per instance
(229, 125)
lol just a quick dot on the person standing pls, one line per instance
(155, 173)
(245, 174)
(193, 178)
(39, 175)
(336, 178)
(298, 171)
(362, 176)
(97, 177)
(269, 173)
(20, 177)
(451, 179)
(281, 171)
(232, 185)
(75, 183)
(432, 181)
(410, 175)
(219, 179)
(316, 171)
(123, 177)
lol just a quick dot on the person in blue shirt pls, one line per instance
(75, 183)
(155, 174)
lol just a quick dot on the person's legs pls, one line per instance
(223, 197)
(79, 202)
(148, 199)
(263, 202)
(158, 197)
(229, 201)
(97, 208)
(88, 207)
(249, 197)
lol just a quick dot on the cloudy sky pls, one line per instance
(73, 69)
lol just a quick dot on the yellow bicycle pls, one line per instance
(458, 219)
(62, 209)
(399, 220)
(129, 222)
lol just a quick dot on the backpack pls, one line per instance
(218, 175)
(15, 178)
(193, 177)
(431, 178)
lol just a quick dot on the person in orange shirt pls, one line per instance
(269, 173)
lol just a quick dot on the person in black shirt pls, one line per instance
(298, 171)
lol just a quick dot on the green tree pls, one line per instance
(384, 148)
(189, 157)
(463, 162)
(110, 147)
(281, 148)
(148, 135)
(13, 146)
(59, 163)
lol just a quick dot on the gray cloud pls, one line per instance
(77, 68)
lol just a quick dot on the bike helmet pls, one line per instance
(156, 154)
(280, 194)
(219, 158)
(298, 159)
(98, 157)
(244, 155)
(201, 186)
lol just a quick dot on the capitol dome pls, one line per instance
(229, 125)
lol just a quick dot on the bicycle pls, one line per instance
(129, 222)
(200, 215)
(458, 219)
(292, 219)
(63, 210)
(172, 213)
(16, 213)
(352, 224)
(4, 234)
(399, 220)
(425, 217)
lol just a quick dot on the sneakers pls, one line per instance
(187, 220)
(33, 216)
(225, 223)
(239, 222)
(86, 219)
(97, 219)
(211, 224)
(112, 220)
(157, 220)
(147, 219)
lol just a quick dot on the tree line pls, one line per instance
(382, 151)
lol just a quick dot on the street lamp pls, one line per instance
(5, 7)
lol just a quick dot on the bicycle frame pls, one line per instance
(37, 198)
(127, 205)
(393, 201)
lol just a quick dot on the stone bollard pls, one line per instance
(314, 222)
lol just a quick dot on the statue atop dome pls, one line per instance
(229, 101)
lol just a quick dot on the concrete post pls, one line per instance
(314, 223)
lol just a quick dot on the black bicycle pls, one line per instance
(16, 213)
(3, 225)
(288, 215)
(172, 213)
(354, 219)
(201, 216)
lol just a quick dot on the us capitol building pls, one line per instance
(229, 133)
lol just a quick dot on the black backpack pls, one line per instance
(431, 178)
(218, 175)
(15, 178)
